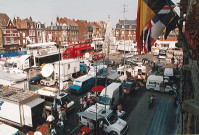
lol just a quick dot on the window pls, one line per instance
(122, 32)
(10, 31)
(23, 34)
(129, 32)
(11, 40)
(4, 40)
(24, 41)
(33, 33)
(4, 31)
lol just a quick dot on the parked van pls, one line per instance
(111, 123)
(154, 82)
(51, 95)
(111, 96)
(82, 84)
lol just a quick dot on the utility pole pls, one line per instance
(124, 11)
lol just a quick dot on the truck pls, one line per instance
(111, 123)
(111, 96)
(156, 83)
(9, 130)
(66, 68)
(82, 84)
(20, 108)
(51, 95)
(14, 80)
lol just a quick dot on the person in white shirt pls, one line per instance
(37, 132)
(50, 120)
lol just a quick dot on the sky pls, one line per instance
(90, 10)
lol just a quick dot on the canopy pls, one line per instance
(98, 88)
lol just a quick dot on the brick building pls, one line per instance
(9, 34)
(41, 32)
(83, 30)
(53, 33)
(126, 30)
(98, 29)
(26, 30)
(71, 27)
(189, 40)
(1, 40)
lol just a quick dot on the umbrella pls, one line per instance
(97, 88)
(139, 77)
(85, 129)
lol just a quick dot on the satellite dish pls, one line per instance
(47, 70)
(87, 55)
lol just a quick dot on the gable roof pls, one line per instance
(4, 19)
(129, 24)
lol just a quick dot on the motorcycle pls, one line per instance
(151, 101)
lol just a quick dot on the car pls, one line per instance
(47, 82)
(130, 86)
(36, 79)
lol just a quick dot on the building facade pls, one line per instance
(189, 40)
(26, 31)
(41, 32)
(126, 30)
(9, 34)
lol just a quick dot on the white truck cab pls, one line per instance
(51, 95)
(111, 123)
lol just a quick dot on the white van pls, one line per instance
(112, 124)
(154, 82)
(111, 96)
(51, 95)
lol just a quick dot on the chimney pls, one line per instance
(18, 19)
(30, 18)
(14, 21)
(58, 19)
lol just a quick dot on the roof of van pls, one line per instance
(66, 61)
(100, 111)
(110, 89)
(83, 78)
(155, 78)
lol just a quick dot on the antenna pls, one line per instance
(124, 11)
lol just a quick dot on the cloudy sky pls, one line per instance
(91, 10)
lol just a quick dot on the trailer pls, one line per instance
(20, 108)
(14, 80)
(68, 67)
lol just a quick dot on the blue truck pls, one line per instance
(86, 82)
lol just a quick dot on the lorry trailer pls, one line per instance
(20, 108)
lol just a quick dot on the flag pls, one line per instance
(159, 23)
(147, 9)
(171, 26)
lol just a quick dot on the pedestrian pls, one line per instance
(101, 126)
(58, 107)
(37, 132)
(61, 115)
(119, 108)
(65, 110)
(53, 131)
(91, 127)
(50, 119)
(81, 103)
(85, 105)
